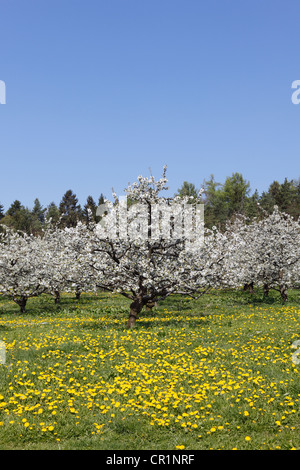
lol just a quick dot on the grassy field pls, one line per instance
(212, 374)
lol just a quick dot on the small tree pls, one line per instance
(90, 208)
(22, 266)
(70, 210)
(265, 252)
(52, 213)
(38, 211)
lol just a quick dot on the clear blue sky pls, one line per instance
(99, 91)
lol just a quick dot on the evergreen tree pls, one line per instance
(1, 211)
(90, 205)
(38, 211)
(285, 195)
(252, 203)
(215, 210)
(20, 218)
(70, 210)
(14, 208)
(101, 199)
(236, 190)
(267, 201)
(53, 213)
(188, 189)
(294, 207)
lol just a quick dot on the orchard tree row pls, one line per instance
(146, 266)
(222, 202)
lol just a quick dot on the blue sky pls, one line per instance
(98, 92)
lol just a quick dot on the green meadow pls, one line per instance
(216, 373)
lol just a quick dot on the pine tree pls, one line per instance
(236, 190)
(14, 208)
(38, 211)
(101, 199)
(53, 213)
(70, 210)
(188, 189)
(215, 209)
(90, 205)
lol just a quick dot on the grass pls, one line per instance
(215, 373)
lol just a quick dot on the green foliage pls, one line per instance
(90, 206)
(52, 213)
(70, 210)
(188, 189)
(286, 196)
(23, 219)
(224, 201)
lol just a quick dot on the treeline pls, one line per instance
(67, 214)
(221, 201)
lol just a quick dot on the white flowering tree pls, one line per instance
(23, 264)
(53, 241)
(152, 250)
(265, 252)
(68, 269)
(78, 273)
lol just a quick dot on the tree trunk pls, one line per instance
(283, 293)
(266, 290)
(22, 303)
(135, 308)
(249, 287)
(77, 294)
(56, 297)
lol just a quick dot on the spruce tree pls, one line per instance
(38, 211)
(52, 213)
(70, 210)
(90, 205)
